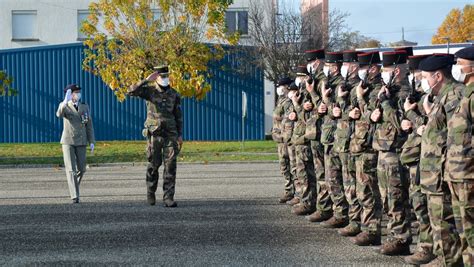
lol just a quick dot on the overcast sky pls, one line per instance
(384, 19)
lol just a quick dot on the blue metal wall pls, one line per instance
(41, 73)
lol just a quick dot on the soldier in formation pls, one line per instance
(374, 135)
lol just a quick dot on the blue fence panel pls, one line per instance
(41, 73)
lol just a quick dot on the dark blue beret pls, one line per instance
(293, 87)
(284, 81)
(436, 62)
(466, 53)
(73, 87)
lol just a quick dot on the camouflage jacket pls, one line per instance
(411, 149)
(345, 125)
(278, 116)
(389, 135)
(287, 124)
(361, 139)
(327, 121)
(164, 117)
(433, 140)
(299, 130)
(460, 153)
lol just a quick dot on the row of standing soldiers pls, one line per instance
(359, 136)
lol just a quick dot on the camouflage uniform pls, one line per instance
(313, 133)
(163, 127)
(281, 107)
(460, 172)
(392, 176)
(332, 162)
(365, 159)
(446, 242)
(305, 174)
(344, 130)
(410, 158)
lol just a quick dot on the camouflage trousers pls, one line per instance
(162, 150)
(323, 201)
(419, 202)
(393, 179)
(446, 242)
(350, 192)
(333, 167)
(463, 208)
(368, 192)
(287, 169)
(305, 175)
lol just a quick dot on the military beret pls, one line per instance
(161, 69)
(73, 87)
(333, 57)
(369, 58)
(284, 81)
(394, 58)
(293, 87)
(466, 53)
(302, 70)
(436, 62)
(414, 62)
(408, 50)
(311, 55)
(350, 56)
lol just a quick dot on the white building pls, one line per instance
(47, 22)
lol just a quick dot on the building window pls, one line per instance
(237, 21)
(24, 25)
(81, 17)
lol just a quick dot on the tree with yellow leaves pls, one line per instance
(5, 84)
(458, 26)
(126, 38)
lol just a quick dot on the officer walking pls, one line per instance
(163, 130)
(78, 131)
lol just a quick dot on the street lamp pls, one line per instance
(447, 39)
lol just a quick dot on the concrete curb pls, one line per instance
(129, 164)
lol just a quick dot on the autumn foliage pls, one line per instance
(458, 26)
(126, 38)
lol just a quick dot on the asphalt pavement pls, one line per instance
(228, 215)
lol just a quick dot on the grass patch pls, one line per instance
(134, 151)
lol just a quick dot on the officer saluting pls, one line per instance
(78, 131)
(163, 130)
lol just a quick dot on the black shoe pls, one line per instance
(169, 203)
(150, 197)
(75, 200)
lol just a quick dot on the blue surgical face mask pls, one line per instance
(77, 97)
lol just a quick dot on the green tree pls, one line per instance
(126, 38)
(5, 85)
(458, 26)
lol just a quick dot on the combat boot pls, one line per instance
(169, 203)
(335, 222)
(319, 216)
(421, 256)
(285, 198)
(367, 239)
(150, 197)
(395, 246)
(293, 201)
(349, 230)
(437, 262)
(301, 210)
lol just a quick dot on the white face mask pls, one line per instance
(458, 74)
(77, 97)
(410, 80)
(280, 90)
(425, 85)
(310, 68)
(298, 81)
(344, 71)
(386, 77)
(362, 74)
(164, 82)
(326, 70)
